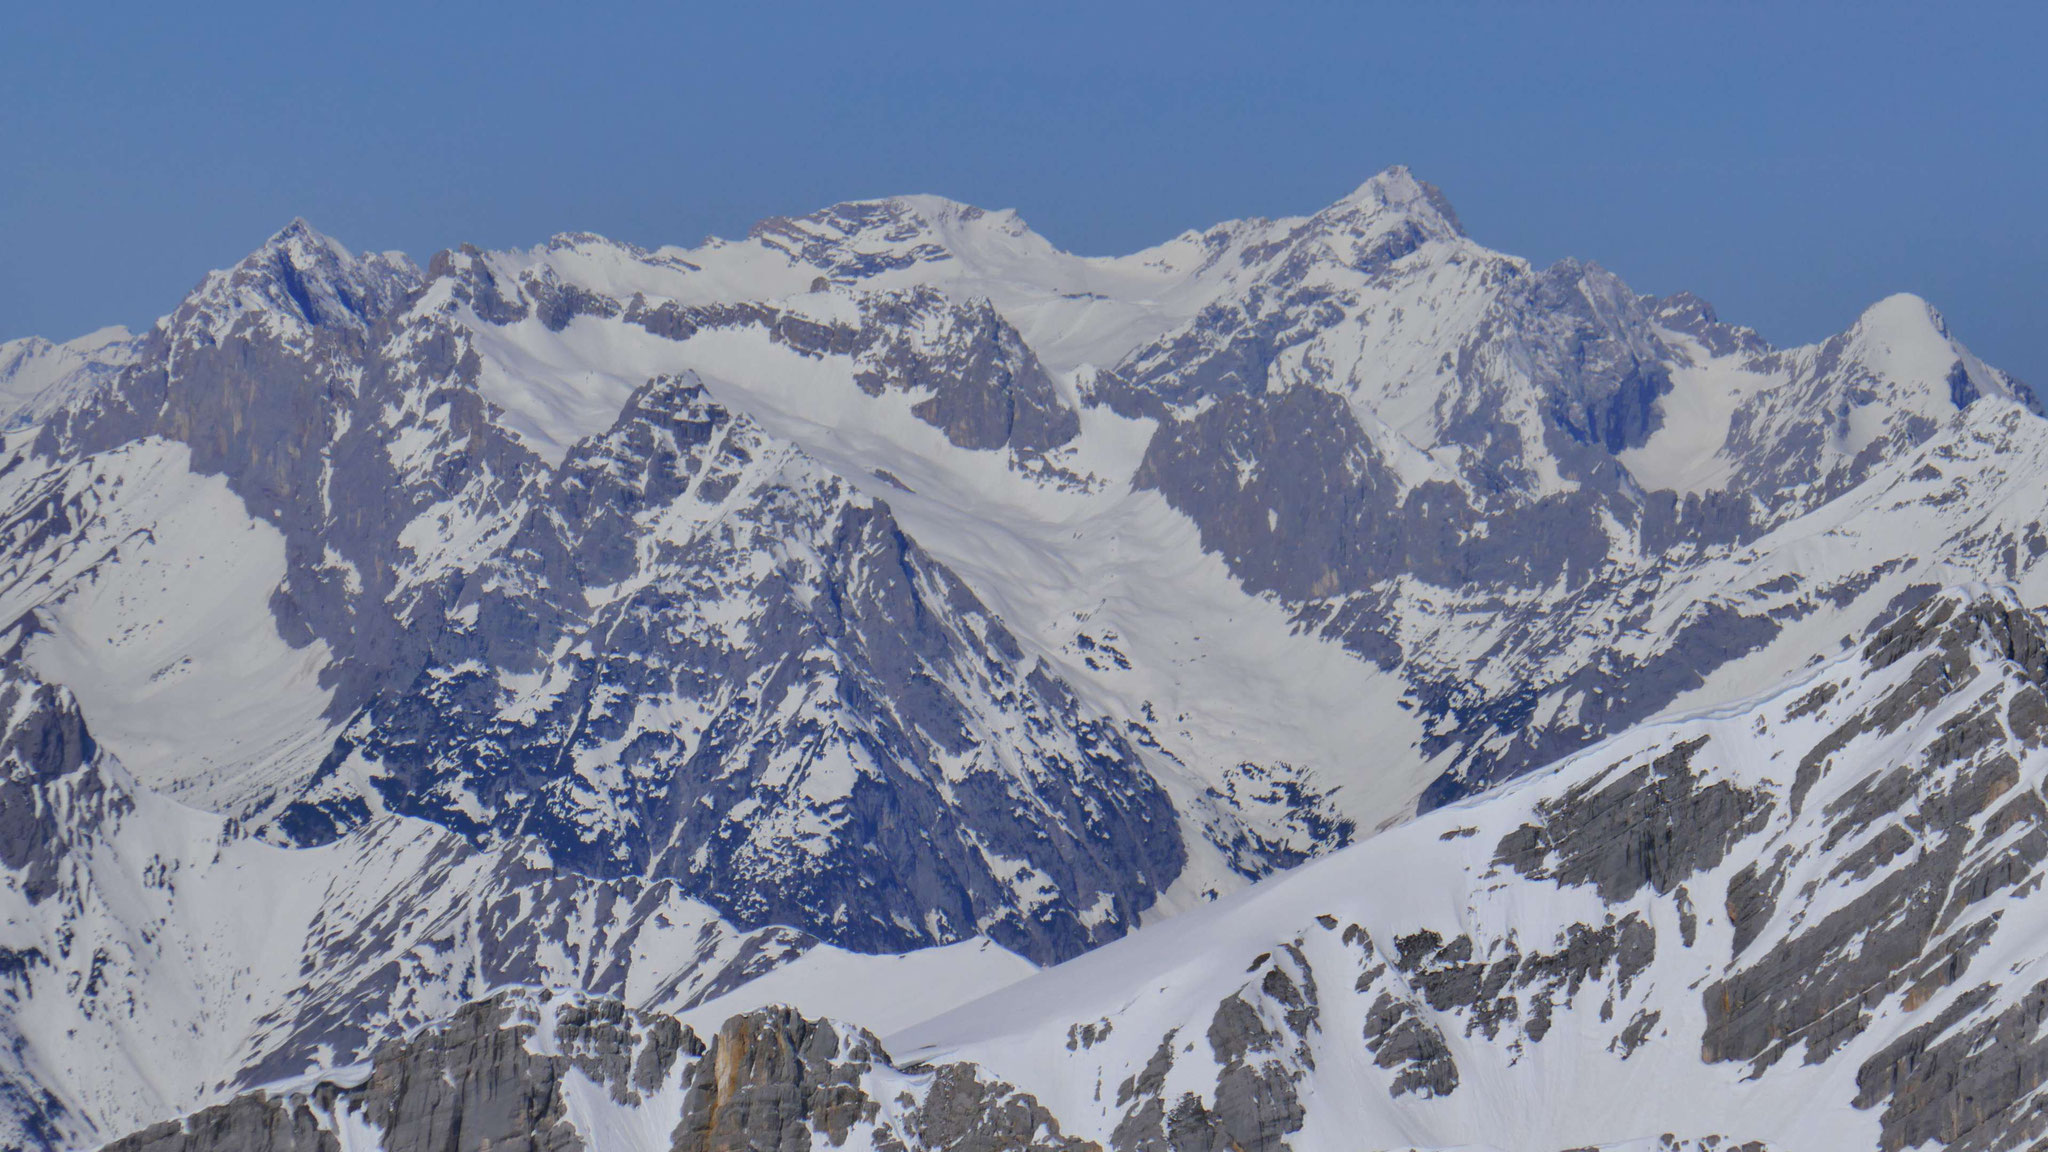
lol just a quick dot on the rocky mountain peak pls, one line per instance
(1397, 192)
(1901, 350)
(861, 239)
(306, 279)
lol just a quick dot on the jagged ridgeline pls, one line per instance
(660, 624)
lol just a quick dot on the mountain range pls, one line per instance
(1314, 683)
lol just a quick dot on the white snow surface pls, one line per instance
(38, 376)
(880, 993)
(158, 621)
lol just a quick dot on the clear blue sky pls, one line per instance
(1791, 164)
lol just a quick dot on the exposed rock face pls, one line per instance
(775, 1080)
(52, 800)
(489, 1078)
(770, 1080)
(1652, 827)
(967, 1111)
(47, 799)
(252, 1123)
(1334, 518)
(600, 1039)
(1261, 1040)
(978, 381)
(473, 1083)
(1920, 918)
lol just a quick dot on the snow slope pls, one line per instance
(147, 619)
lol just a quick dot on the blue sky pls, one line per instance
(1791, 164)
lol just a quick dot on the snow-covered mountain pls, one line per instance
(886, 582)
(1807, 920)
(156, 955)
(38, 377)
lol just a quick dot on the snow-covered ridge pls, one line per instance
(38, 377)
(1810, 919)
(1460, 369)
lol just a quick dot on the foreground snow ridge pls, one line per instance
(1294, 686)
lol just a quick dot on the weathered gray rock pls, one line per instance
(965, 1111)
(475, 1080)
(251, 1123)
(471, 1083)
(769, 1081)
(1259, 1040)
(987, 389)
(1653, 826)
(773, 1081)
(49, 797)
(1968, 1085)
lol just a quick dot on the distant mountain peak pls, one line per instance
(301, 229)
(1397, 189)
(308, 277)
(1904, 314)
(1903, 338)
(38, 376)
